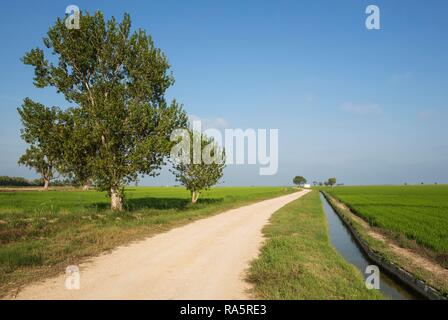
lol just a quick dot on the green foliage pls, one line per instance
(42, 131)
(199, 175)
(331, 181)
(79, 148)
(117, 79)
(418, 213)
(299, 180)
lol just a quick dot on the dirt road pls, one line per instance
(205, 259)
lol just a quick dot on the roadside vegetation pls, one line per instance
(415, 216)
(298, 261)
(41, 233)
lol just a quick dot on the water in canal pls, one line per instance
(346, 245)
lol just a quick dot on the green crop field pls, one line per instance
(418, 213)
(42, 232)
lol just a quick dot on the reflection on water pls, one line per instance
(346, 245)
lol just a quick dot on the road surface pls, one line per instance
(206, 259)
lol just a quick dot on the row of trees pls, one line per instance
(300, 181)
(18, 182)
(120, 125)
(329, 183)
(7, 181)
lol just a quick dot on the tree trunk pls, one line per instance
(87, 185)
(46, 183)
(116, 200)
(194, 196)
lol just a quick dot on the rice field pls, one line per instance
(418, 213)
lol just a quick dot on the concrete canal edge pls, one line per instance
(399, 273)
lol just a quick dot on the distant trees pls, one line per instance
(198, 174)
(6, 181)
(121, 125)
(14, 181)
(299, 180)
(328, 183)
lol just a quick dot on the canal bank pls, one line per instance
(298, 262)
(396, 283)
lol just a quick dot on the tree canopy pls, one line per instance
(299, 180)
(120, 125)
(42, 130)
(200, 175)
(331, 181)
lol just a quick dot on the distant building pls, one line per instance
(307, 186)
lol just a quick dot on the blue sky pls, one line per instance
(369, 107)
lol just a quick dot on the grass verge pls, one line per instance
(298, 261)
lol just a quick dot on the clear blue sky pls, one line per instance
(368, 107)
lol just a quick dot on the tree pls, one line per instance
(117, 79)
(331, 181)
(79, 148)
(299, 180)
(42, 130)
(200, 175)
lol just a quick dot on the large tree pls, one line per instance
(117, 79)
(43, 131)
(198, 173)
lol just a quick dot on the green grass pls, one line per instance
(42, 232)
(418, 213)
(298, 261)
